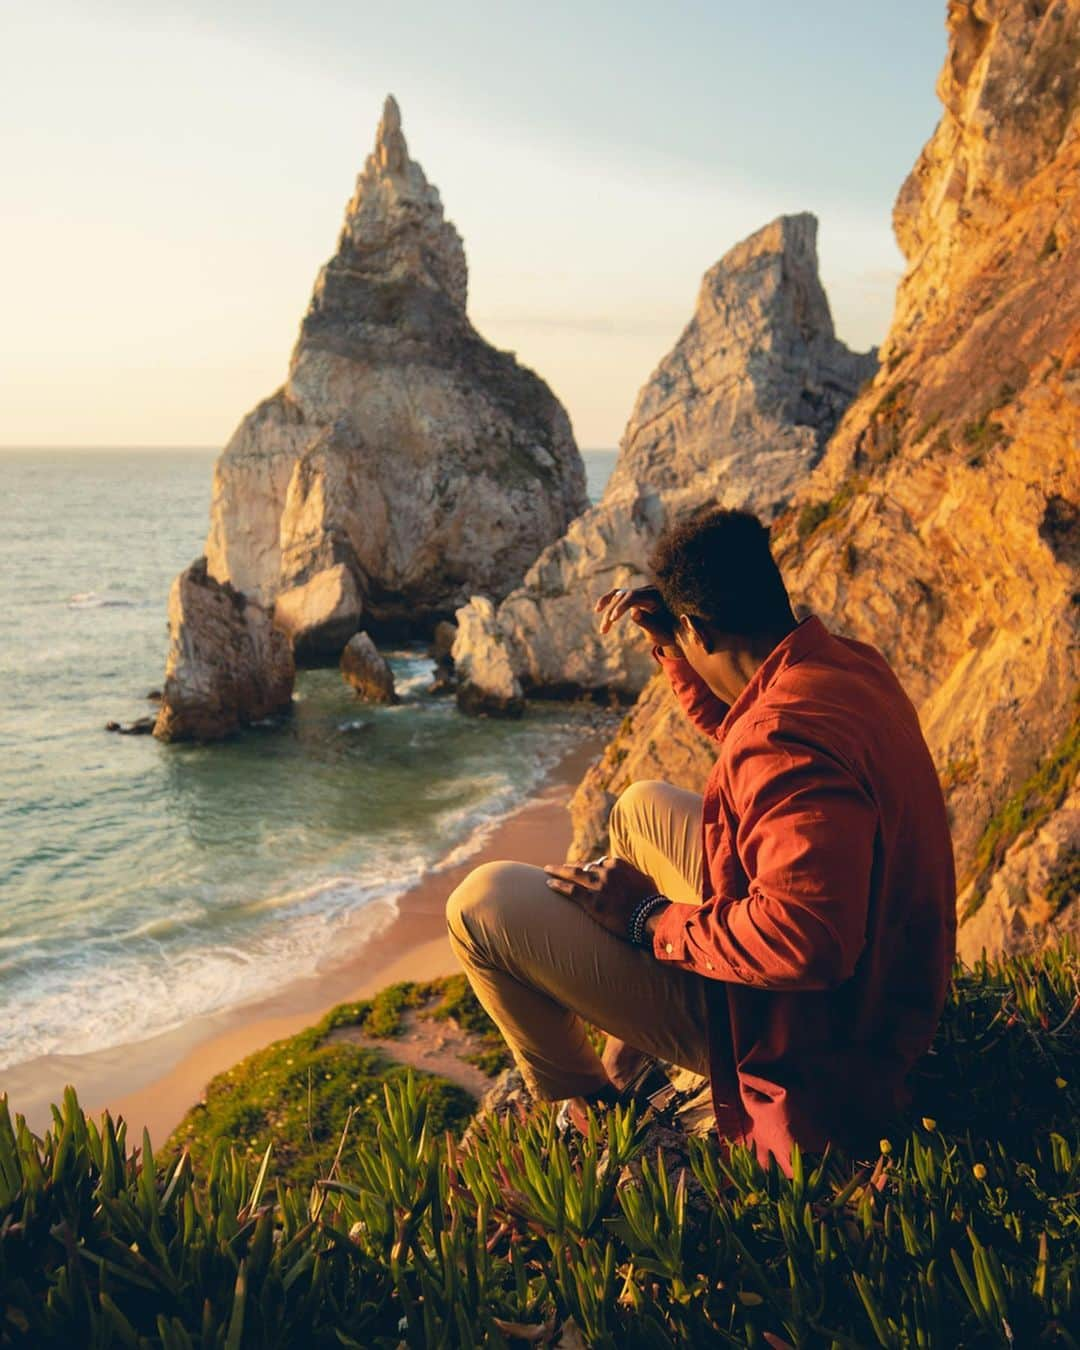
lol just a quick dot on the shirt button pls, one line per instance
(668, 948)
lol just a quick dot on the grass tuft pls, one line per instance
(815, 514)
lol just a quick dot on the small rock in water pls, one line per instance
(154, 695)
(442, 642)
(367, 671)
(142, 726)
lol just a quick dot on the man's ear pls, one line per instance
(696, 630)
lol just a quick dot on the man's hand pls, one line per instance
(647, 609)
(608, 890)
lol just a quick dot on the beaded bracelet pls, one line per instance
(640, 917)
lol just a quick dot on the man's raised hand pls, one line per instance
(646, 608)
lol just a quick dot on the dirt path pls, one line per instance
(433, 1046)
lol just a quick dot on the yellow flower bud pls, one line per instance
(885, 1146)
(752, 1198)
(979, 1172)
(1061, 1082)
(929, 1123)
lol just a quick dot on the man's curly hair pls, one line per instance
(717, 566)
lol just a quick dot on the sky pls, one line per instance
(174, 174)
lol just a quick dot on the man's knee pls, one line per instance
(630, 806)
(473, 909)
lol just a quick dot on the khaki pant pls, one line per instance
(542, 968)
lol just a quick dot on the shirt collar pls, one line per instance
(804, 638)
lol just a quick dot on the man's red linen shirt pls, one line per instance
(828, 919)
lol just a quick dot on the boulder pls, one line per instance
(735, 415)
(367, 670)
(142, 726)
(442, 642)
(227, 665)
(320, 616)
(490, 685)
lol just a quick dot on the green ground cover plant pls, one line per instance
(963, 1230)
(297, 1093)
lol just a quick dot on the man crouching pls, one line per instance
(791, 931)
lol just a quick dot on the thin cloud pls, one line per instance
(593, 325)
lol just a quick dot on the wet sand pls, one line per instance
(152, 1083)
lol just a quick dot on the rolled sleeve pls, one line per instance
(806, 840)
(704, 709)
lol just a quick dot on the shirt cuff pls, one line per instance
(669, 939)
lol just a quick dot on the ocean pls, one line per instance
(142, 885)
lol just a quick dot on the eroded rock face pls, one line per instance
(735, 415)
(655, 740)
(367, 670)
(941, 524)
(1033, 893)
(227, 665)
(406, 464)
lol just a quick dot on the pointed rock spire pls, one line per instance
(394, 233)
(391, 153)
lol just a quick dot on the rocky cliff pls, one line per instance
(943, 523)
(405, 464)
(737, 413)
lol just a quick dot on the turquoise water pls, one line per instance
(141, 884)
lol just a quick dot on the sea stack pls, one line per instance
(405, 463)
(736, 414)
(228, 665)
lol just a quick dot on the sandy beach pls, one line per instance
(152, 1082)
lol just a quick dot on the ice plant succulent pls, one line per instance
(955, 1238)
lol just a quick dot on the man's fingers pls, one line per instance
(611, 613)
(563, 877)
(641, 601)
(620, 600)
(604, 600)
(609, 597)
